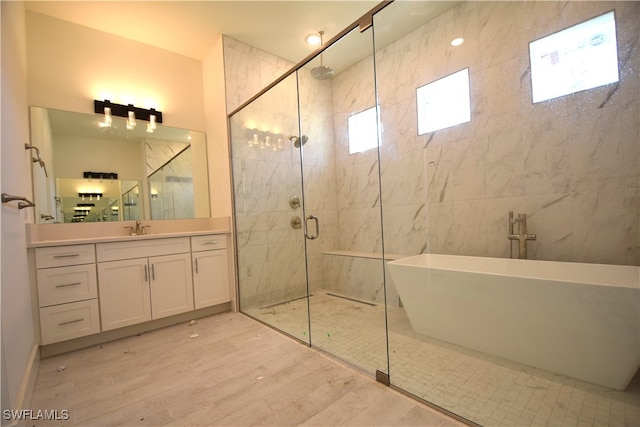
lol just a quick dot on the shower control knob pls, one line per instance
(294, 202)
(295, 222)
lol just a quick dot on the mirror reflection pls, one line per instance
(98, 174)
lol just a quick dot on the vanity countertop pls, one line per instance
(124, 238)
(45, 235)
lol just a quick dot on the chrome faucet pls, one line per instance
(522, 235)
(138, 230)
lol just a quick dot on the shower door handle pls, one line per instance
(315, 219)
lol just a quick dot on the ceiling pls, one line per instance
(191, 28)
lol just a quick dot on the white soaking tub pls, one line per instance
(580, 320)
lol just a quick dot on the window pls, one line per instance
(444, 103)
(363, 131)
(578, 58)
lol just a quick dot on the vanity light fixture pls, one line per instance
(82, 210)
(90, 195)
(265, 139)
(130, 112)
(100, 175)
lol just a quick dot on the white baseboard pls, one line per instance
(27, 385)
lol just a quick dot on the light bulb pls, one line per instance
(151, 126)
(131, 120)
(107, 118)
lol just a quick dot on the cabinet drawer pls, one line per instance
(67, 321)
(141, 248)
(60, 256)
(66, 284)
(207, 243)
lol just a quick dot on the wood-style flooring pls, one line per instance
(225, 370)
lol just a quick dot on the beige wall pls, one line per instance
(217, 143)
(52, 63)
(70, 65)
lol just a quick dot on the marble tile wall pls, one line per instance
(271, 254)
(571, 164)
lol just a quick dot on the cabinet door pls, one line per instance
(124, 293)
(171, 285)
(210, 278)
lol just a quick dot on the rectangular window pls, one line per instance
(444, 103)
(575, 59)
(363, 134)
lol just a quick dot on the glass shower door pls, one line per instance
(308, 209)
(268, 210)
(342, 215)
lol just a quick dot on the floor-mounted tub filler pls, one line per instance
(580, 320)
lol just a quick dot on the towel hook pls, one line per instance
(23, 202)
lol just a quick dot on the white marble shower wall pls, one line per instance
(358, 270)
(319, 171)
(571, 164)
(271, 254)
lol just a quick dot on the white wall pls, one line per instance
(18, 340)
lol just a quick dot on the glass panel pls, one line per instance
(342, 205)
(552, 338)
(171, 188)
(270, 239)
(130, 201)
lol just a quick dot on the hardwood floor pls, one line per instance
(236, 371)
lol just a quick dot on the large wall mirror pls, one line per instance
(93, 173)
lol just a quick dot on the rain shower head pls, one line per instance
(322, 72)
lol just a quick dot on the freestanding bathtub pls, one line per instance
(579, 320)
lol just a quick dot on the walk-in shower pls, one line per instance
(416, 147)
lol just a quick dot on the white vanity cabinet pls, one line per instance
(67, 292)
(210, 270)
(143, 280)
